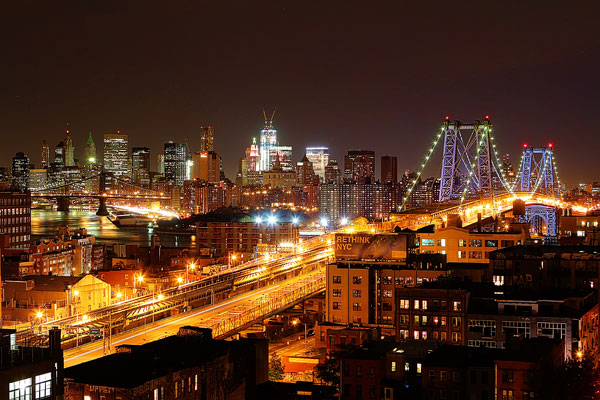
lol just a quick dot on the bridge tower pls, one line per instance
(467, 166)
(537, 172)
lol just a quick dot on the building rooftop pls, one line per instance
(546, 251)
(132, 365)
(52, 283)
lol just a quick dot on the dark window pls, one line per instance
(337, 279)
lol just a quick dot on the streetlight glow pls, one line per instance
(258, 219)
(295, 220)
(272, 219)
(324, 221)
(344, 221)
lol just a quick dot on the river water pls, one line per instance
(45, 223)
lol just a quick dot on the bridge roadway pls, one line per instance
(246, 308)
(263, 270)
(469, 210)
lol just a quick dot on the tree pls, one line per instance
(329, 371)
(275, 368)
(578, 378)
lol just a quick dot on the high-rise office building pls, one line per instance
(140, 165)
(389, 169)
(305, 173)
(284, 155)
(116, 155)
(90, 154)
(59, 155)
(175, 163)
(268, 142)
(359, 166)
(38, 178)
(45, 160)
(207, 138)
(249, 174)
(160, 159)
(20, 172)
(319, 157)
(206, 166)
(69, 149)
(333, 174)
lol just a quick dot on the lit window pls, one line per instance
(393, 366)
(427, 242)
(407, 366)
(20, 390)
(418, 368)
(417, 304)
(43, 386)
(581, 233)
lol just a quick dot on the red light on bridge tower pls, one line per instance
(550, 145)
(487, 117)
(524, 145)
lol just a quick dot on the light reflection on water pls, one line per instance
(44, 224)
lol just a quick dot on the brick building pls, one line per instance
(189, 365)
(432, 312)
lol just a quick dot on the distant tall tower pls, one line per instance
(268, 141)
(45, 154)
(319, 157)
(207, 138)
(90, 151)
(59, 155)
(140, 165)
(160, 159)
(175, 163)
(20, 172)
(389, 169)
(359, 166)
(116, 154)
(69, 149)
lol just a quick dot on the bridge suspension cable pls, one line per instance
(421, 168)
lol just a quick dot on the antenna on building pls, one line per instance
(269, 121)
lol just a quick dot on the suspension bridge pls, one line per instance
(474, 184)
(107, 186)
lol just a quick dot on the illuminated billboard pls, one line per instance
(365, 246)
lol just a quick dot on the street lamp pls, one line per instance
(189, 266)
(179, 280)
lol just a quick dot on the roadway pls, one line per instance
(206, 316)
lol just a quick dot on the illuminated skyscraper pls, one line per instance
(248, 174)
(207, 138)
(59, 155)
(284, 155)
(268, 142)
(160, 159)
(45, 155)
(140, 165)
(116, 154)
(319, 157)
(90, 152)
(175, 163)
(206, 166)
(333, 174)
(305, 172)
(69, 149)
(359, 166)
(20, 172)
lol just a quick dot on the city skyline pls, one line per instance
(535, 81)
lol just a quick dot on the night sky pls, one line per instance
(374, 75)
